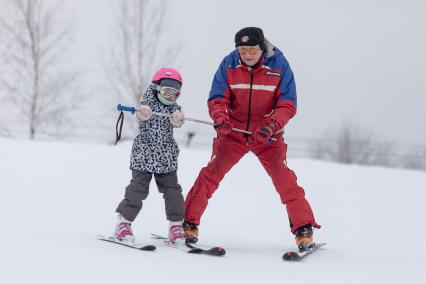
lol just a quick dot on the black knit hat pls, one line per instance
(250, 36)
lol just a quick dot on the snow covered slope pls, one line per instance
(55, 198)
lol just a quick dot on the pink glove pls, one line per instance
(177, 118)
(144, 112)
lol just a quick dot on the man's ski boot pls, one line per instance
(304, 238)
(123, 230)
(176, 234)
(191, 232)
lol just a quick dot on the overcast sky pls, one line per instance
(362, 60)
(353, 60)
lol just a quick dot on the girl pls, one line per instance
(155, 153)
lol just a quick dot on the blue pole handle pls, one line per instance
(126, 108)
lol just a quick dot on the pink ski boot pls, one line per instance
(176, 234)
(123, 230)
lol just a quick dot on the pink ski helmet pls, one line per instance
(167, 73)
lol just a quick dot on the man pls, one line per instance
(254, 90)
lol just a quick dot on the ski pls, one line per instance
(191, 248)
(135, 245)
(297, 256)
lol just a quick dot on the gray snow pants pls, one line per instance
(138, 190)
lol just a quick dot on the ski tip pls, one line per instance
(215, 251)
(218, 251)
(148, 248)
(137, 246)
(291, 256)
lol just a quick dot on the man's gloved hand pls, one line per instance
(144, 112)
(263, 134)
(177, 118)
(222, 124)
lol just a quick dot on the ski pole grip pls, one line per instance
(120, 107)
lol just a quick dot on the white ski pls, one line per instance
(135, 245)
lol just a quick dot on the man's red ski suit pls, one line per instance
(252, 98)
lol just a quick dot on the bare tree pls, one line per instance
(4, 131)
(415, 159)
(190, 137)
(38, 83)
(350, 144)
(140, 46)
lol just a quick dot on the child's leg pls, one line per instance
(136, 191)
(167, 184)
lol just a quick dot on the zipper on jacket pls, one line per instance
(249, 105)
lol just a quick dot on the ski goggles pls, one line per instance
(170, 94)
(250, 50)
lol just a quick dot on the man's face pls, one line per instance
(250, 55)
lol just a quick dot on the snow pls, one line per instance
(56, 197)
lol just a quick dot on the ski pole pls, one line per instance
(212, 124)
(120, 107)
(202, 122)
(133, 110)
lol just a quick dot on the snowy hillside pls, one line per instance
(55, 198)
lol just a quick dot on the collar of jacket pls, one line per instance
(257, 66)
(270, 49)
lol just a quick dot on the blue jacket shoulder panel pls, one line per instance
(276, 61)
(220, 80)
(287, 83)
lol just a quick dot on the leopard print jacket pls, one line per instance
(155, 149)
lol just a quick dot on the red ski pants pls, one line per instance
(227, 151)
